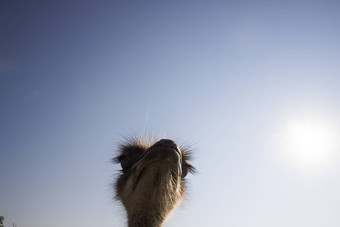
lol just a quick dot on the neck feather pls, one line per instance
(145, 222)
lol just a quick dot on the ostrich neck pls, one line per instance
(146, 222)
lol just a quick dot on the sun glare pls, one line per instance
(310, 142)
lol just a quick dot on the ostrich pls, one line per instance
(151, 182)
(2, 218)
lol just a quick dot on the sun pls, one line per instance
(310, 142)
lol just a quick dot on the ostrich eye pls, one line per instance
(125, 163)
(184, 170)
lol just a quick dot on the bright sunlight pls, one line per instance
(310, 142)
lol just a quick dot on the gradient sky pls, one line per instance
(225, 76)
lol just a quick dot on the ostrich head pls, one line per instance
(151, 182)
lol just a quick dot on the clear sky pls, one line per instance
(254, 85)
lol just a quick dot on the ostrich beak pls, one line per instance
(158, 153)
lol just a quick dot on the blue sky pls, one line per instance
(227, 76)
